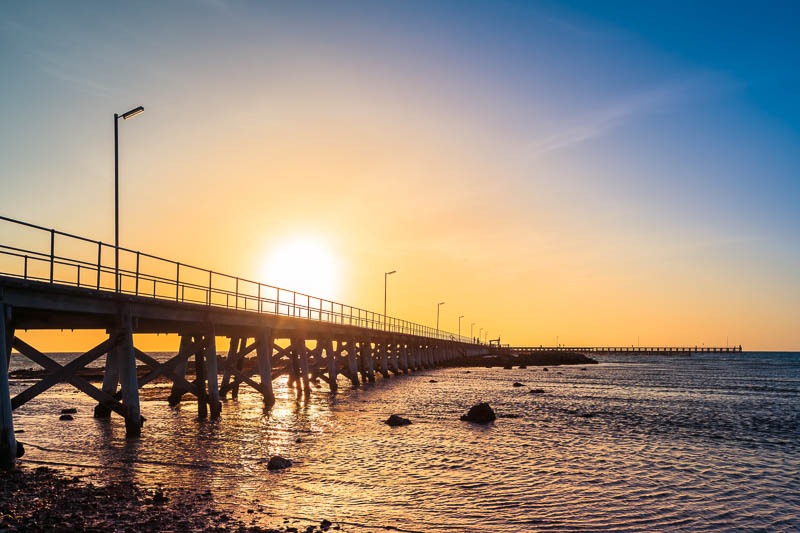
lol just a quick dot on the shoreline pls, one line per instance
(43, 499)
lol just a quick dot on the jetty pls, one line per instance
(53, 280)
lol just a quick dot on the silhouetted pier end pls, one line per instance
(634, 350)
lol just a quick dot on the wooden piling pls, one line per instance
(110, 379)
(231, 359)
(330, 361)
(383, 348)
(368, 365)
(178, 391)
(352, 362)
(213, 371)
(200, 383)
(128, 379)
(302, 354)
(264, 355)
(8, 443)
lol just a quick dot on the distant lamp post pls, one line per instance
(125, 116)
(438, 306)
(385, 280)
(459, 327)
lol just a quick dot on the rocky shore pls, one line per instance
(40, 499)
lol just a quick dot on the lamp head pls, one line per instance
(132, 113)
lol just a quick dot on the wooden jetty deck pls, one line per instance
(70, 282)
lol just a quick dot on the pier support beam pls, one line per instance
(8, 443)
(230, 360)
(330, 361)
(110, 380)
(352, 362)
(383, 348)
(302, 354)
(264, 355)
(367, 364)
(200, 382)
(213, 371)
(178, 391)
(128, 379)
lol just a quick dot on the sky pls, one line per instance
(587, 173)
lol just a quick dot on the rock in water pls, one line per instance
(481, 413)
(518, 384)
(276, 462)
(396, 420)
(65, 417)
(325, 524)
(537, 391)
(433, 381)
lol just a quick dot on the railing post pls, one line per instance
(99, 258)
(208, 299)
(137, 273)
(259, 297)
(52, 252)
(79, 276)
(236, 304)
(177, 281)
(25, 272)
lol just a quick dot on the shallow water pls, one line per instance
(701, 443)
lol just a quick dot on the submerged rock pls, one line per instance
(537, 391)
(397, 420)
(508, 415)
(544, 369)
(276, 462)
(65, 417)
(481, 413)
(518, 384)
(325, 524)
(432, 381)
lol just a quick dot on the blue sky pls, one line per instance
(600, 137)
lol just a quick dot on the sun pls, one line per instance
(303, 264)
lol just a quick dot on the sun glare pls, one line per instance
(305, 265)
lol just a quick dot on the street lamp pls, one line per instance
(459, 327)
(440, 304)
(125, 116)
(385, 278)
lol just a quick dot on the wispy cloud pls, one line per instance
(603, 120)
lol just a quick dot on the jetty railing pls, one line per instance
(72, 260)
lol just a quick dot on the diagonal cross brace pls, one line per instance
(65, 373)
(166, 368)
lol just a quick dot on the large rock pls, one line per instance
(276, 462)
(481, 413)
(397, 420)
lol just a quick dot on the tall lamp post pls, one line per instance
(440, 304)
(125, 116)
(459, 327)
(385, 280)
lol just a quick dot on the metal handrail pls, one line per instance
(295, 304)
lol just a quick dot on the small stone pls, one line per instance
(433, 381)
(65, 417)
(69, 411)
(298, 440)
(276, 462)
(325, 524)
(397, 420)
(19, 431)
(544, 369)
(481, 413)
(518, 384)
(537, 391)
